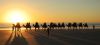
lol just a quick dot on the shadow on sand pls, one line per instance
(44, 39)
(16, 38)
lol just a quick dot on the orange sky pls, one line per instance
(50, 10)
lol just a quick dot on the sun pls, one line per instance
(15, 16)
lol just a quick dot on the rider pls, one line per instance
(13, 27)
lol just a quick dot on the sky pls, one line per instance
(51, 10)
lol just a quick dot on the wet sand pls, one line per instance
(56, 37)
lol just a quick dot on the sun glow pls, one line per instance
(16, 16)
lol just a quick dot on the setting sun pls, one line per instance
(14, 16)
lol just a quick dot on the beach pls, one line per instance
(49, 22)
(56, 37)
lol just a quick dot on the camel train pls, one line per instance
(52, 25)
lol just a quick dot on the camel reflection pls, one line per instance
(16, 38)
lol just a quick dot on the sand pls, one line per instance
(56, 37)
